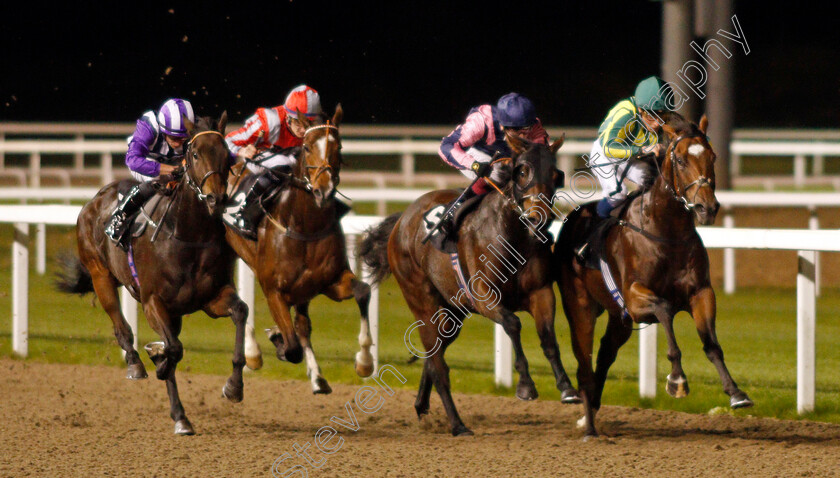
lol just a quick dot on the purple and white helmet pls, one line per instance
(171, 117)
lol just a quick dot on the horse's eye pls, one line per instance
(195, 156)
(306, 148)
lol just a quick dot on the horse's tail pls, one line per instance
(72, 276)
(374, 248)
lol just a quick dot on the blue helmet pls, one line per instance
(516, 111)
(171, 117)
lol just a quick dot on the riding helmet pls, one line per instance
(171, 116)
(304, 99)
(516, 111)
(650, 94)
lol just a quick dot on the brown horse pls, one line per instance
(187, 268)
(502, 247)
(659, 264)
(300, 253)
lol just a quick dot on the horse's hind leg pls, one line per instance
(228, 303)
(703, 310)
(105, 286)
(253, 354)
(166, 358)
(303, 327)
(349, 286)
(542, 308)
(616, 335)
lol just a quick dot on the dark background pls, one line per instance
(394, 62)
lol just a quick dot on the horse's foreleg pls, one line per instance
(303, 327)
(703, 310)
(228, 303)
(105, 286)
(542, 308)
(642, 302)
(421, 404)
(283, 335)
(349, 286)
(166, 356)
(253, 353)
(525, 389)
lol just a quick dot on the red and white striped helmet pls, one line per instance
(304, 99)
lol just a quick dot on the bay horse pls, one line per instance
(301, 253)
(500, 244)
(658, 262)
(186, 268)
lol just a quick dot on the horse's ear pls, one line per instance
(704, 124)
(338, 116)
(191, 129)
(223, 122)
(517, 144)
(303, 119)
(555, 146)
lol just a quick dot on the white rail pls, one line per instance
(804, 241)
(407, 148)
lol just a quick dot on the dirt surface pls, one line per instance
(73, 420)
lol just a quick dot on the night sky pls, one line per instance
(394, 62)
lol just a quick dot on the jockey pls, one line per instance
(630, 128)
(482, 135)
(154, 150)
(275, 130)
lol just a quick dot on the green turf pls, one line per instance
(757, 329)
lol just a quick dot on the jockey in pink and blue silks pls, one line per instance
(155, 149)
(482, 135)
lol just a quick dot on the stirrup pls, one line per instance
(582, 252)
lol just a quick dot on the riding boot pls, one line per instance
(131, 203)
(447, 223)
(603, 210)
(246, 220)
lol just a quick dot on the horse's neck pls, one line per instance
(660, 213)
(500, 217)
(188, 217)
(297, 209)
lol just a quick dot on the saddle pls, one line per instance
(449, 243)
(143, 217)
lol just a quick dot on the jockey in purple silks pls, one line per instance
(155, 149)
(482, 135)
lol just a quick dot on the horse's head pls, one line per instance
(689, 168)
(534, 179)
(320, 159)
(206, 161)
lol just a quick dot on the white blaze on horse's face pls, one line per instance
(696, 150)
(322, 183)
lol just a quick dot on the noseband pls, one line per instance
(699, 182)
(197, 188)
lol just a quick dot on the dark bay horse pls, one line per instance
(300, 253)
(187, 268)
(501, 247)
(659, 265)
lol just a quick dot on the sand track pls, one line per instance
(73, 420)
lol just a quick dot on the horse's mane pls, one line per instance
(682, 126)
(206, 123)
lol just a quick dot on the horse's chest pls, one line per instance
(307, 268)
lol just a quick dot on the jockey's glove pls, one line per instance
(481, 170)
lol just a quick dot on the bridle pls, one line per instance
(198, 188)
(675, 161)
(322, 168)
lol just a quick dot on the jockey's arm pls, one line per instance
(453, 148)
(137, 157)
(243, 141)
(613, 138)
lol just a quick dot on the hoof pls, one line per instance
(740, 400)
(321, 387)
(570, 396)
(526, 392)
(274, 335)
(155, 350)
(421, 412)
(184, 427)
(677, 388)
(136, 372)
(254, 363)
(581, 423)
(462, 431)
(232, 393)
(364, 365)
(589, 438)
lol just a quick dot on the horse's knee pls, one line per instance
(174, 352)
(239, 312)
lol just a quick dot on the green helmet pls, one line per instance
(649, 94)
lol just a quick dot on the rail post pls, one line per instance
(806, 308)
(20, 290)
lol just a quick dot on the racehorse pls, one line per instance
(300, 253)
(502, 246)
(658, 262)
(189, 267)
